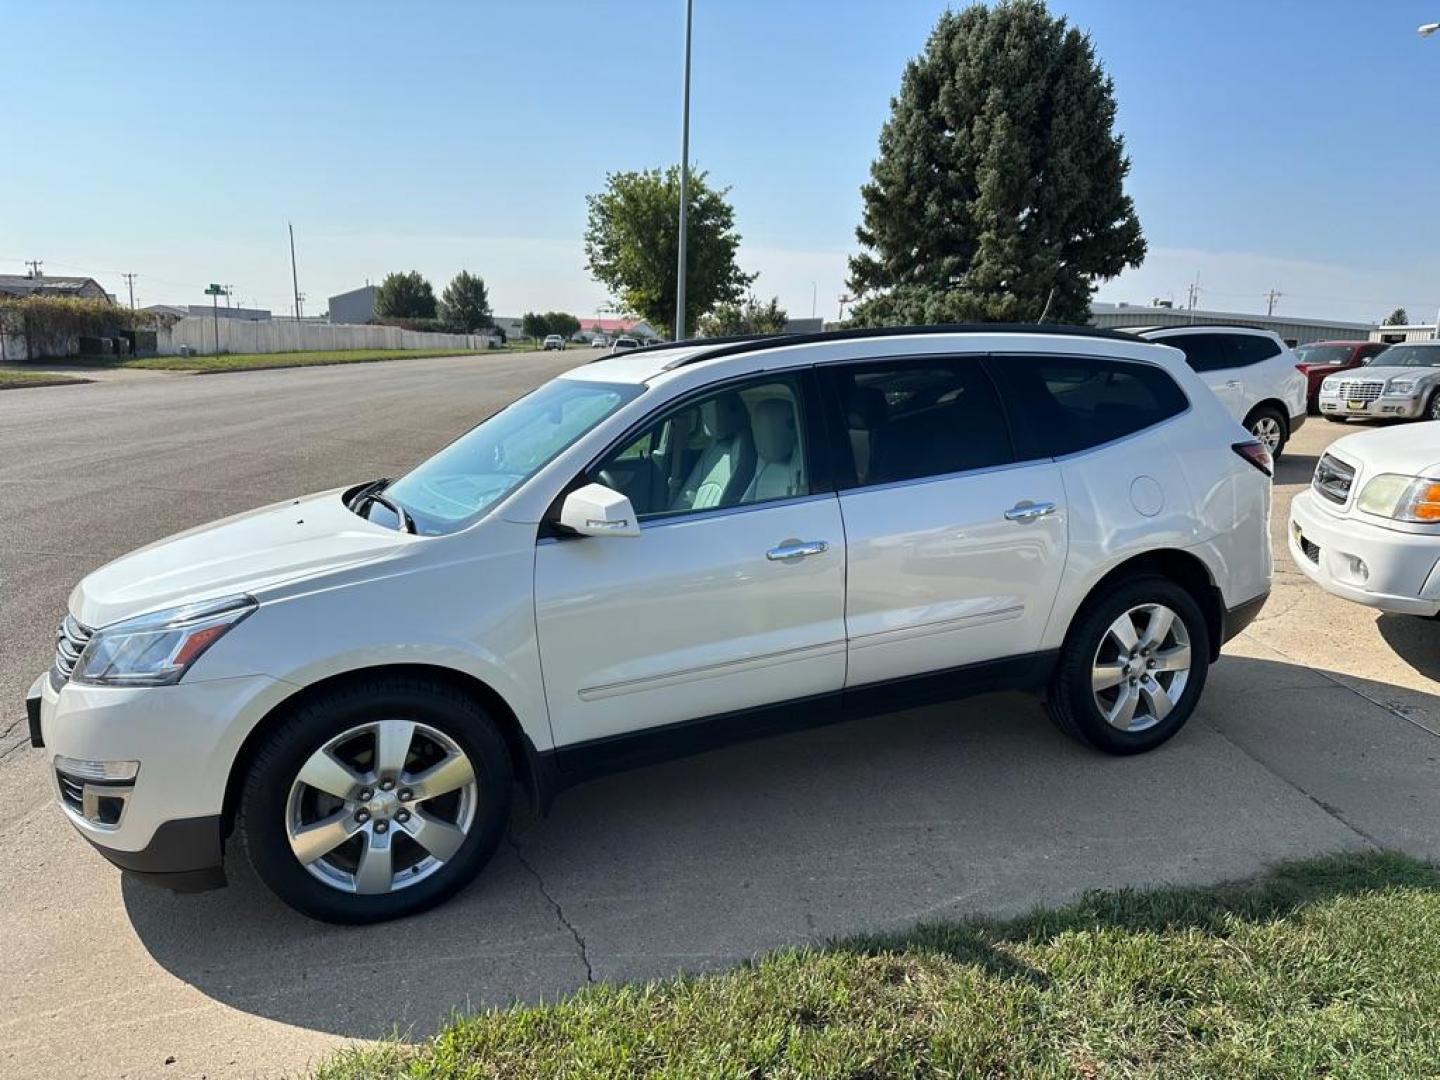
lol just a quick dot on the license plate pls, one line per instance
(1357, 406)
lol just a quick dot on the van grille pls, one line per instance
(70, 642)
(1360, 389)
(1333, 479)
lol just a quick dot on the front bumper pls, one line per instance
(1364, 563)
(1393, 408)
(166, 824)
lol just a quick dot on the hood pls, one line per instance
(241, 554)
(1381, 373)
(1408, 449)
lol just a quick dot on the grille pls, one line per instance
(1311, 549)
(70, 642)
(1360, 389)
(1333, 479)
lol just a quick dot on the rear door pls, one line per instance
(955, 547)
(1214, 358)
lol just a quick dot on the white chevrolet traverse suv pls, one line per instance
(652, 554)
(1253, 372)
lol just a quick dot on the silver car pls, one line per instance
(1403, 383)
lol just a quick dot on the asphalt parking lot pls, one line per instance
(1319, 731)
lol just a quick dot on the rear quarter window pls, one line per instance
(1060, 405)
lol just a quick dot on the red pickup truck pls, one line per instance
(1321, 358)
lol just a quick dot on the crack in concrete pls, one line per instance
(555, 906)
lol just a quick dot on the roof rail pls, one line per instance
(754, 343)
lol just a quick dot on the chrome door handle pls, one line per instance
(1029, 511)
(796, 549)
(1233, 384)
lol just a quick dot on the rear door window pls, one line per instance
(1203, 352)
(1062, 404)
(918, 418)
(1247, 349)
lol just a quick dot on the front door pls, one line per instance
(732, 596)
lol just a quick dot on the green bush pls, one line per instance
(50, 324)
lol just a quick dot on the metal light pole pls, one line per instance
(684, 184)
(1425, 30)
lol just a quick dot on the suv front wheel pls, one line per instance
(1132, 667)
(376, 800)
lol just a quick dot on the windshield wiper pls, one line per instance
(374, 492)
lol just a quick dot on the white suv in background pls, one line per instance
(1253, 372)
(1368, 529)
(652, 554)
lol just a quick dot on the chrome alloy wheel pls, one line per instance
(381, 806)
(1141, 667)
(1267, 429)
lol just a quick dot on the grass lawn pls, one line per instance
(251, 361)
(13, 379)
(1328, 968)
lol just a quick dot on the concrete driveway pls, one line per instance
(1317, 733)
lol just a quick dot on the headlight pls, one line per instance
(1401, 387)
(157, 649)
(1402, 498)
(1329, 389)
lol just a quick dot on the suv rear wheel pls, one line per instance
(1132, 667)
(1268, 425)
(377, 800)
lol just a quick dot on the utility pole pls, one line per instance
(1270, 298)
(1192, 292)
(130, 281)
(299, 306)
(294, 274)
(684, 184)
(229, 291)
(35, 265)
(843, 301)
(814, 294)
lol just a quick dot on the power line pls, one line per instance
(130, 281)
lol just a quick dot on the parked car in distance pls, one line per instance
(624, 344)
(1321, 358)
(599, 341)
(1404, 383)
(1253, 372)
(1368, 528)
(554, 341)
(651, 554)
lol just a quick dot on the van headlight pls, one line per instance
(157, 649)
(1402, 498)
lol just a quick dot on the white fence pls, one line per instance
(241, 336)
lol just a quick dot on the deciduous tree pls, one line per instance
(632, 245)
(465, 304)
(998, 194)
(751, 317)
(405, 296)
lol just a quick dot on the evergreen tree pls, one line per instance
(999, 192)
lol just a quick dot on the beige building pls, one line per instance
(1293, 329)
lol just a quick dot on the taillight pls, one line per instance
(1304, 369)
(1256, 454)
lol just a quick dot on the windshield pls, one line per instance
(1412, 356)
(1324, 354)
(477, 470)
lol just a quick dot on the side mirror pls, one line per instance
(596, 510)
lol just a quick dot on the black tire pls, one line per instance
(1269, 414)
(1432, 407)
(1071, 702)
(264, 799)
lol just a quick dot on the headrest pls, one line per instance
(774, 429)
(867, 408)
(724, 415)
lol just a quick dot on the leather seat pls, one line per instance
(728, 461)
(779, 464)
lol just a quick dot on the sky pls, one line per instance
(1276, 144)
